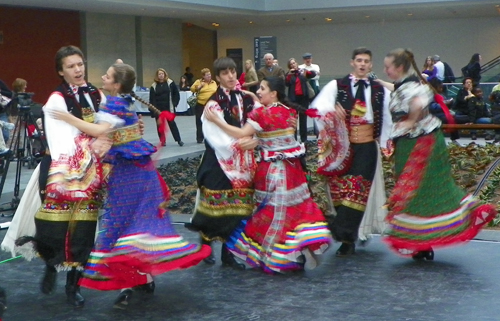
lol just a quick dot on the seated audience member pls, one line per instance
(461, 108)
(434, 107)
(495, 109)
(4, 90)
(429, 71)
(478, 111)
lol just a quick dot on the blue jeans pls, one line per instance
(5, 131)
(482, 120)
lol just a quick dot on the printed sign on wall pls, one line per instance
(263, 45)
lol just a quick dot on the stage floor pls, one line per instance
(462, 284)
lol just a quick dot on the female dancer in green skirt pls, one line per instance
(426, 209)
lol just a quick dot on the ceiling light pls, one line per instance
(410, 14)
(288, 20)
(367, 16)
(250, 22)
(328, 19)
(215, 24)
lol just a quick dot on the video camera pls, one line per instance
(24, 100)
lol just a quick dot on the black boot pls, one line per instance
(346, 249)
(228, 259)
(123, 299)
(49, 279)
(211, 258)
(3, 302)
(424, 255)
(74, 297)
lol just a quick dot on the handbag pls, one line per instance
(192, 100)
(310, 91)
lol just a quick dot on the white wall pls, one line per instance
(161, 48)
(109, 37)
(331, 45)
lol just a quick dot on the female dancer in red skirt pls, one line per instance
(287, 230)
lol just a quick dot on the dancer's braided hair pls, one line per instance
(150, 106)
(405, 58)
(125, 76)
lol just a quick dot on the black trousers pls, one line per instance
(459, 119)
(198, 111)
(344, 226)
(495, 119)
(304, 102)
(173, 129)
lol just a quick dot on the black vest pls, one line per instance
(71, 101)
(225, 103)
(345, 97)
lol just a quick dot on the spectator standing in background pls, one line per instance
(296, 81)
(251, 80)
(205, 88)
(189, 76)
(183, 84)
(308, 65)
(438, 64)
(473, 69)
(270, 69)
(164, 95)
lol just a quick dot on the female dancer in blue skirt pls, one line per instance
(136, 239)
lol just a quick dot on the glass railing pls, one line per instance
(492, 74)
(450, 89)
(490, 71)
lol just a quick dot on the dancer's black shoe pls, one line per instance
(3, 301)
(228, 259)
(73, 295)
(346, 249)
(123, 299)
(424, 255)
(210, 260)
(49, 279)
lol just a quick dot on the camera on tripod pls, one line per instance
(24, 101)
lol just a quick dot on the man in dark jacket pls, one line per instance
(478, 112)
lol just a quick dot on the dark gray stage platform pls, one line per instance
(462, 284)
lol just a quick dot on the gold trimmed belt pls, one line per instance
(276, 133)
(361, 134)
(125, 134)
(60, 216)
